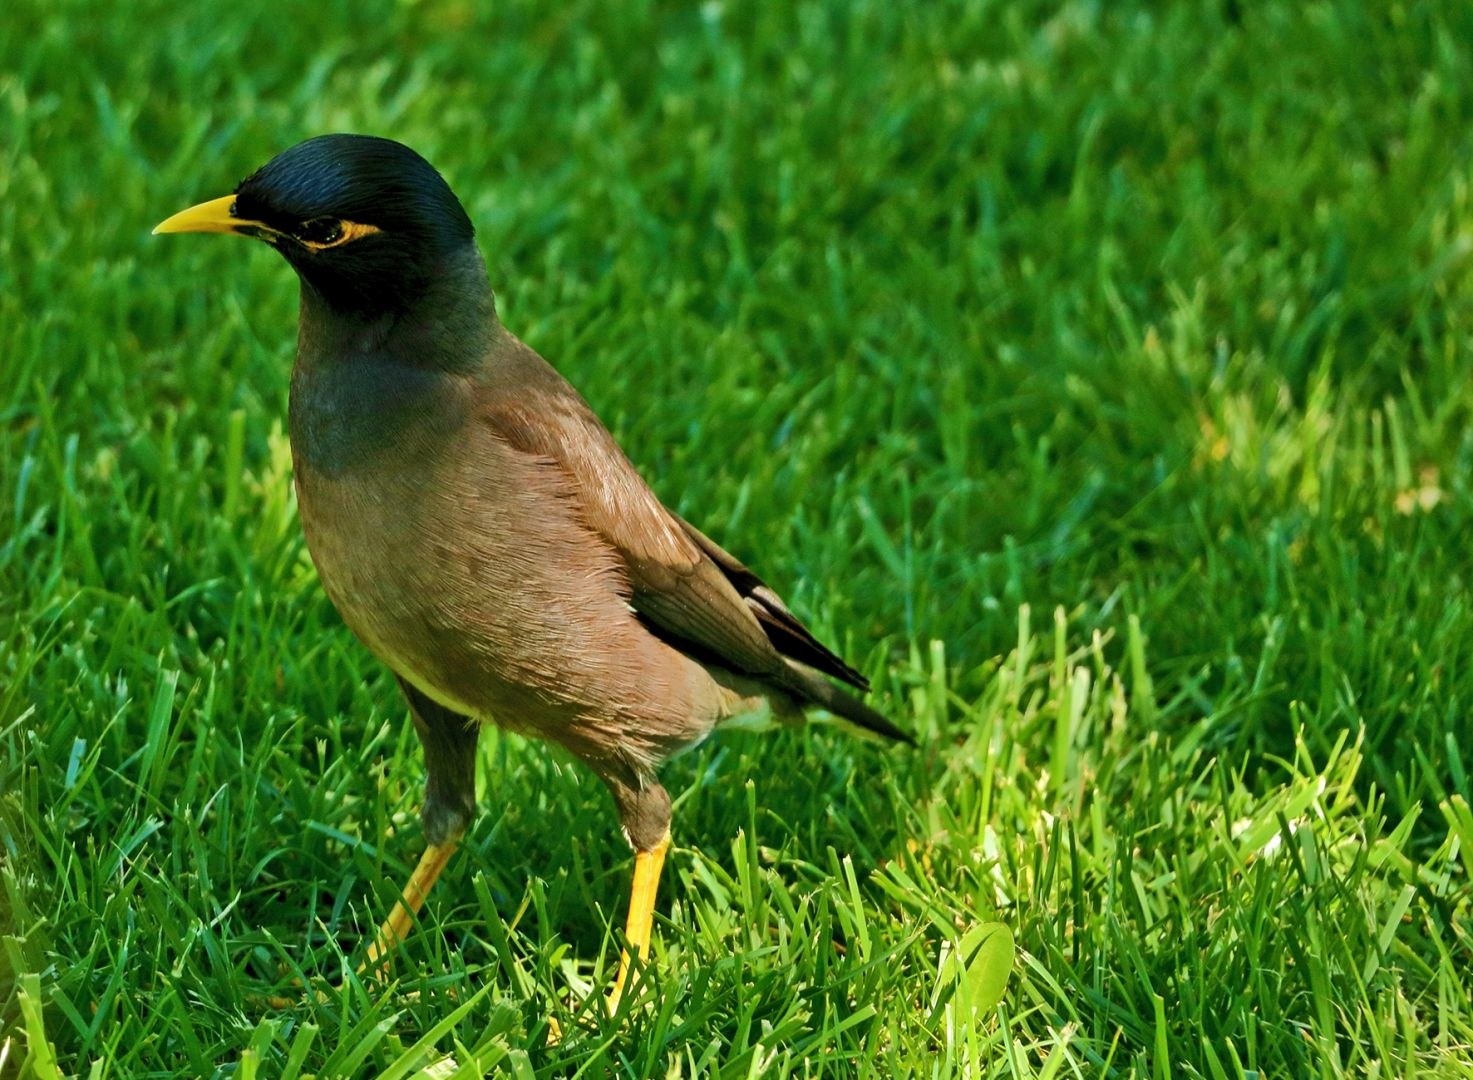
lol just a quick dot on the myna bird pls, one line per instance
(479, 529)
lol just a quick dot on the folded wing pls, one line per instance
(683, 585)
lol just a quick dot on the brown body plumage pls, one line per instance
(477, 526)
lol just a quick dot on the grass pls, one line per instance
(1097, 377)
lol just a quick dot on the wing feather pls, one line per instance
(682, 583)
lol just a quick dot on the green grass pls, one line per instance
(1099, 378)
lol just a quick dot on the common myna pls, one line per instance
(479, 529)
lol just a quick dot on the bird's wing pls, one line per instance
(674, 587)
(782, 627)
(682, 584)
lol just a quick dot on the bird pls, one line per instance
(482, 533)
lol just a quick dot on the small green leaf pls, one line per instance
(986, 956)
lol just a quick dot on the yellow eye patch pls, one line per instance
(336, 234)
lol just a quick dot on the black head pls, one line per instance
(366, 222)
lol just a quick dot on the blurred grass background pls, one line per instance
(1095, 376)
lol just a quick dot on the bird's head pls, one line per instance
(366, 222)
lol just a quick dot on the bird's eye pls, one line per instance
(320, 232)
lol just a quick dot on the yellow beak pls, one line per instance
(215, 216)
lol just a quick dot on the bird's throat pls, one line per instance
(370, 415)
(368, 389)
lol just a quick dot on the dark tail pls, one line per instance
(819, 691)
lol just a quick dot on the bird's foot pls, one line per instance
(637, 930)
(394, 929)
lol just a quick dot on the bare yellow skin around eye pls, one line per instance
(350, 230)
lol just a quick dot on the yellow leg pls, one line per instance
(647, 867)
(396, 927)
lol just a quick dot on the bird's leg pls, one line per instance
(644, 811)
(396, 927)
(647, 867)
(449, 742)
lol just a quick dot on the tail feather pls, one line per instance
(817, 690)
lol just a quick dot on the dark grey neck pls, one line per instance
(449, 325)
(367, 391)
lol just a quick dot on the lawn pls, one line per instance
(1096, 377)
